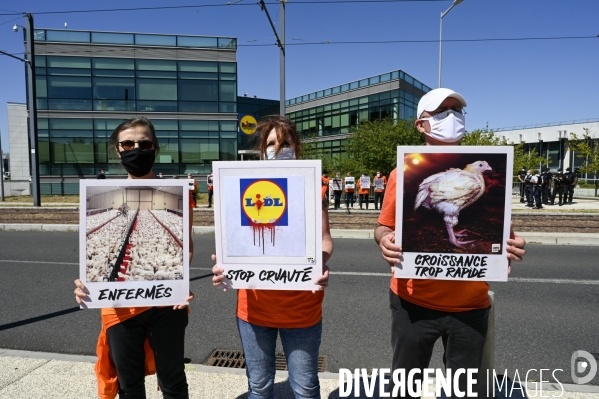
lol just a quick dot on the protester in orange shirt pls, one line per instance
(137, 341)
(363, 190)
(337, 190)
(210, 184)
(380, 182)
(294, 315)
(192, 193)
(325, 183)
(350, 184)
(424, 310)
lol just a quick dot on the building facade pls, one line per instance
(328, 115)
(551, 141)
(89, 82)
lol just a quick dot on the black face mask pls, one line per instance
(137, 161)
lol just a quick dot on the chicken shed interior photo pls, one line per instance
(134, 233)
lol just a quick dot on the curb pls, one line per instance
(582, 239)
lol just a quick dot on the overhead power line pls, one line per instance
(427, 41)
(219, 5)
(127, 50)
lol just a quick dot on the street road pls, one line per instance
(546, 312)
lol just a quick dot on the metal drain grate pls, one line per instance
(236, 360)
(223, 358)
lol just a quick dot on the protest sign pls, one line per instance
(268, 223)
(379, 183)
(453, 212)
(365, 182)
(134, 242)
(337, 184)
(350, 182)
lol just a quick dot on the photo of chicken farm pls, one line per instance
(133, 233)
(454, 203)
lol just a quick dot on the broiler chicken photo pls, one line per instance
(450, 192)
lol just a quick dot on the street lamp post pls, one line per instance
(1, 171)
(455, 3)
(282, 56)
(281, 44)
(32, 102)
(32, 96)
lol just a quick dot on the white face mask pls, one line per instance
(448, 126)
(285, 153)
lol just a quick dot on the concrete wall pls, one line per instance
(18, 142)
(12, 187)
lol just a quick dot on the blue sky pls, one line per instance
(506, 83)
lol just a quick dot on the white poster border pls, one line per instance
(238, 266)
(497, 264)
(124, 296)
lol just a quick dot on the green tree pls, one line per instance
(373, 145)
(586, 148)
(309, 150)
(528, 159)
(483, 137)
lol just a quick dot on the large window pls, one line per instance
(112, 84)
(340, 117)
(80, 146)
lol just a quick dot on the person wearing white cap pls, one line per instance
(441, 117)
(424, 310)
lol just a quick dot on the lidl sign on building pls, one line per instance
(247, 124)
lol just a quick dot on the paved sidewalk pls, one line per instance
(37, 375)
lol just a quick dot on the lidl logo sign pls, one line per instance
(263, 202)
(248, 124)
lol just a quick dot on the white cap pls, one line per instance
(431, 100)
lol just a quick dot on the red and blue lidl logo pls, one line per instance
(263, 201)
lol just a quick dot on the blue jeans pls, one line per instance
(301, 351)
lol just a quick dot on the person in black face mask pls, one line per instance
(137, 147)
(121, 344)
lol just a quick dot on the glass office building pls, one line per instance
(259, 108)
(89, 82)
(328, 115)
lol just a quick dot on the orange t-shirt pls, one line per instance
(281, 309)
(192, 195)
(362, 191)
(384, 182)
(444, 295)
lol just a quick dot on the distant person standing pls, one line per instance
(101, 175)
(337, 190)
(350, 188)
(528, 189)
(521, 183)
(380, 182)
(558, 187)
(363, 189)
(537, 188)
(209, 182)
(193, 190)
(325, 183)
(570, 180)
(546, 193)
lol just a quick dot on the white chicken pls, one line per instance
(451, 191)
